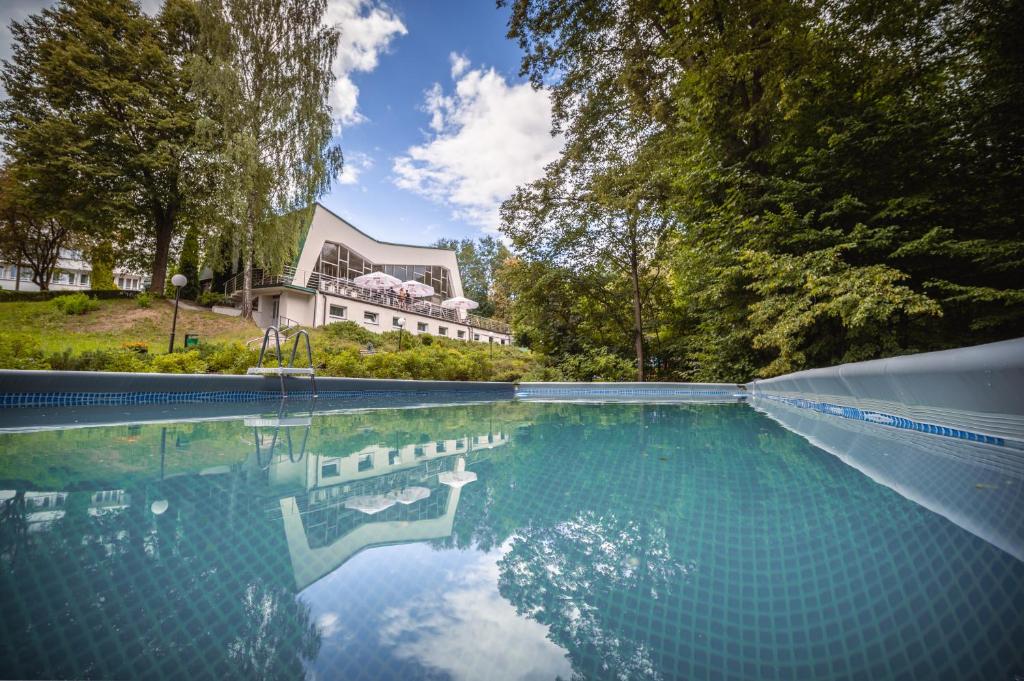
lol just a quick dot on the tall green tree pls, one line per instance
(265, 76)
(839, 174)
(30, 236)
(479, 261)
(98, 97)
(188, 263)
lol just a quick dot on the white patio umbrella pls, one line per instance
(416, 289)
(458, 477)
(410, 495)
(461, 303)
(370, 504)
(377, 281)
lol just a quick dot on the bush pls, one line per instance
(77, 303)
(138, 347)
(97, 360)
(19, 352)
(350, 331)
(347, 363)
(7, 296)
(179, 363)
(426, 339)
(144, 300)
(211, 298)
(230, 358)
(597, 365)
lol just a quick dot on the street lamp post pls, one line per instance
(490, 340)
(401, 328)
(178, 280)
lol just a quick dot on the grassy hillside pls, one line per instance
(115, 323)
(119, 335)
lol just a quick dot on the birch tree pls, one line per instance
(264, 77)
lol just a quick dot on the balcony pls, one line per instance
(346, 288)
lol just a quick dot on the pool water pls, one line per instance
(507, 540)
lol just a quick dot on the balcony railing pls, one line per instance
(346, 288)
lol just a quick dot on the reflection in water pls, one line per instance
(980, 487)
(507, 540)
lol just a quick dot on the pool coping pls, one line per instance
(35, 388)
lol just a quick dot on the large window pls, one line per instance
(338, 261)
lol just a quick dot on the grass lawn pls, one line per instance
(118, 322)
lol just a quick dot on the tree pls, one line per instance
(101, 257)
(265, 76)
(98, 95)
(594, 215)
(478, 261)
(29, 236)
(188, 264)
(838, 177)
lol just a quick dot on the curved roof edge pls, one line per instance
(317, 204)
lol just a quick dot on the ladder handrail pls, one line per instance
(302, 333)
(291, 361)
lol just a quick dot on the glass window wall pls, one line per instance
(338, 261)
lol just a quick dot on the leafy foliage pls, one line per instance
(840, 182)
(76, 303)
(264, 71)
(479, 261)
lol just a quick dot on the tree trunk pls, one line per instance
(247, 247)
(164, 218)
(638, 318)
(638, 326)
(17, 277)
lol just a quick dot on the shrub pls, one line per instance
(597, 365)
(7, 296)
(228, 358)
(347, 363)
(19, 352)
(350, 331)
(138, 347)
(76, 303)
(97, 360)
(211, 298)
(178, 363)
(144, 300)
(426, 339)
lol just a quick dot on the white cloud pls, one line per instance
(356, 163)
(487, 137)
(468, 631)
(367, 29)
(459, 64)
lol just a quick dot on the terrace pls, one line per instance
(346, 288)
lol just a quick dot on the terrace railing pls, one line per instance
(346, 288)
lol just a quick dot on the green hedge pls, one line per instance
(7, 296)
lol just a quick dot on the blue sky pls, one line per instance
(436, 126)
(443, 128)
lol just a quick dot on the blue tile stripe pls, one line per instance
(884, 419)
(89, 399)
(652, 392)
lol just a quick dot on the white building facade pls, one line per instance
(72, 273)
(318, 288)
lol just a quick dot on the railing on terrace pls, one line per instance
(346, 288)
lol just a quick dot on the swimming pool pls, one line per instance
(508, 540)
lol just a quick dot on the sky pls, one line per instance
(436, 126)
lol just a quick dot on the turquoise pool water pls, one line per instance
(509, 540)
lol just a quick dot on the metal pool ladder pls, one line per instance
(281, 370)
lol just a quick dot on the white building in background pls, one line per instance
(72, 273)
(318, 288)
